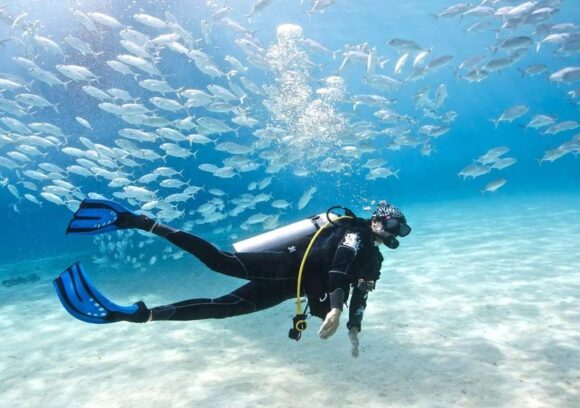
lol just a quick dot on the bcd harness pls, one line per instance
(299, 321)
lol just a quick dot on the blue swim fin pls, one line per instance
(83, 301)
(96, 217)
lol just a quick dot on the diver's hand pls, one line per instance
(353, 336)
(330, 324)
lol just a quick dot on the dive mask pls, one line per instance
(396, 227)
(392, 227)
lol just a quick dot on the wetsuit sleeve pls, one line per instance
(358, 304)
(338, 278)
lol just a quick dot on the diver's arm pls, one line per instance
(337, 274)
(358, 304)
(338, 280)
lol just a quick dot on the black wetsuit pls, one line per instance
(339, 257)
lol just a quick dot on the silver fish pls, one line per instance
(104, 19)
(150, 21)
(306, 197)
(494, 185)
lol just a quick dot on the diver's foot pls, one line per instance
(129, 220)
(142, 315)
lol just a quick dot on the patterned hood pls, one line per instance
(386, 210)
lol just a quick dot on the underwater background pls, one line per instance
(325, 103)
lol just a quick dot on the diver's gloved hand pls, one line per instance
(330, 323)
(353, 336)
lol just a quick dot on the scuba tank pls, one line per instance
(296, 234)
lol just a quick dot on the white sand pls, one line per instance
(478, 308)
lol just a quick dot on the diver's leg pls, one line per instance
(211, 256)
(250, 265)
(270, 266)
(252, 297)
(245, 265)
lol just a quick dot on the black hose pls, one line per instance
(347, 211)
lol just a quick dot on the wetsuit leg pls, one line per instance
(249, 265)
(252, 297)
(211, 256)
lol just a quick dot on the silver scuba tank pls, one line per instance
(284, 238)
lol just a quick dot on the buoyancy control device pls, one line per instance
(300, 233)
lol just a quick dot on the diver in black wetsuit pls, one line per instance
(343, 257)
(337, 261)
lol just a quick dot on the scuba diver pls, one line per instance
(343, 255)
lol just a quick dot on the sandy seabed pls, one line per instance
(479, 307)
